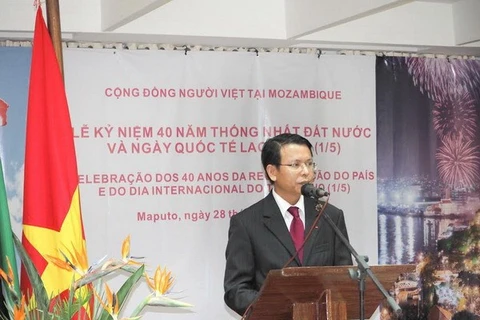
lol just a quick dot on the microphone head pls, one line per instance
(308, 190)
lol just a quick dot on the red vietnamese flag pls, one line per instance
(52, 220)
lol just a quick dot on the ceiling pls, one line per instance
(449, 27)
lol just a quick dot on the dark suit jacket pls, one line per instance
(259, 241)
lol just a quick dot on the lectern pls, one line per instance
(320, 293)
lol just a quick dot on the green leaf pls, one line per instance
(125, 290)
(130, 268)
(91, 277)
(41, 296)
(168, 302)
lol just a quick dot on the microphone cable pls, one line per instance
(317, 218)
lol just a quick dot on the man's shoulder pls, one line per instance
(332, 207)
(254, 210)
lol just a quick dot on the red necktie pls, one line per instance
(297, 231)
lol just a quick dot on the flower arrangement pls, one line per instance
(89, 296)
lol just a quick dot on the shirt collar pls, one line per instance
(284, 205)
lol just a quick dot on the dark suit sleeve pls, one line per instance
(239, 281)
(342, 254)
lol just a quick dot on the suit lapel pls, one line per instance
(273, 219)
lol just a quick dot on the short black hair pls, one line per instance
(271, 149)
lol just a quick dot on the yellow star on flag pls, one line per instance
(50, 242)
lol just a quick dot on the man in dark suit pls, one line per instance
(259, 239)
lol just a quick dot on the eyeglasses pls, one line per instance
(297, 166)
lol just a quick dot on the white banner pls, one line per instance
(168, 147)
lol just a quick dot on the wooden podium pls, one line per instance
(321, 293)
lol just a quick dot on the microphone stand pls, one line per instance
(363, 270)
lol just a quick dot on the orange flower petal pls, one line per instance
(19, 311)
(3, 275)
(162, 281)
(59, 263)
(126, 247)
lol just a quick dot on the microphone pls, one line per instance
(309, 190)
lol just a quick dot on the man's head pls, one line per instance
(288, 163)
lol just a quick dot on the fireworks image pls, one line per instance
(452, 85)
(428, 117)
(437, 77)
(455, 115)
(458, 162)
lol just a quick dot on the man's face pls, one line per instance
(288, 181)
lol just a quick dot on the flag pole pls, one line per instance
(54, 28)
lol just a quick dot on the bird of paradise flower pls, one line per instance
(76, 262)
(18, 312)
